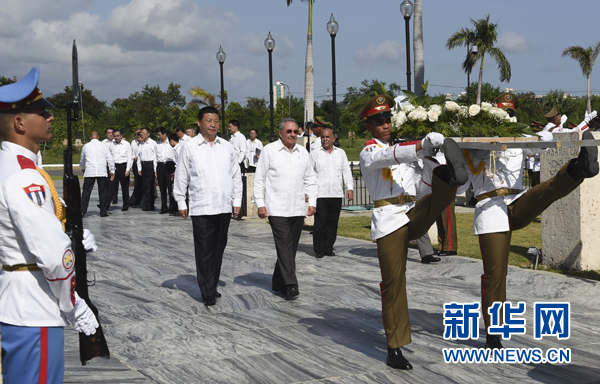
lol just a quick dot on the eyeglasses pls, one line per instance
(296, 132)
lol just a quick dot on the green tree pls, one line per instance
(91, 105)
(205, 98)
(309, 72)
(484, 34)
(5, 80)
(586, 57)
(488, 92)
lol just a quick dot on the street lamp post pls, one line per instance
(221, 59)
(332, 28)
(471, 49)
(270, 45)
(407, 8)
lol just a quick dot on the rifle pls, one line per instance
(93, 345)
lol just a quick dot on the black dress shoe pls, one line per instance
(330, 253)
(396, 360)
(292, 291)
(163, 211)
(104, 215)
(125, 209)
(429, 259)
(319, 255)
(98, 205)
(493, 342)
(277, 289)
(445, 253)
(456, 170)
(586, 164)
(114, 201)
(210, 301)
(218, 296)
(132, 205)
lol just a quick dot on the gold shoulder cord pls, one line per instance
(470, 163)
(60, 211)
(388, 175)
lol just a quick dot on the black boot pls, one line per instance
(493, 342)
(586, 164)
(396, 360)
(456, 166)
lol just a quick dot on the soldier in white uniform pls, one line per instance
(389, 173)
(503, 206)
(37, 280)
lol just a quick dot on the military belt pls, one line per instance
(21, 268)
(402, 199)
(498, 192)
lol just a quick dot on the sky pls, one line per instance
(125, 44)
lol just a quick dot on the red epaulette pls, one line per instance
(25, 163)
(370, 142)
(409, 143)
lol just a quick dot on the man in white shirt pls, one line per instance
(138, 185)
(146, 162)
(238, 140)
(165, 158)
(254, 147)
(110, 138)
(190, 132)
(95, 159)
(208, 165)
(331, 166)
(283, 177)
(120, 151)
(180, 131)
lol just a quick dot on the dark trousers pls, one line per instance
(148, 180)
(326, 224)
(113, 186)
(251, 169)
(163, 173)
(138, 186)
(286, 233)
(495, 247)
(88, 185)
(392, 251)
(446, 227)
(534, 177)
(210, 239)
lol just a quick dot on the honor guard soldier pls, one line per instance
(397, 217)
(504, 206)
(37, 280)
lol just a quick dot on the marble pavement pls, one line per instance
(159, 331)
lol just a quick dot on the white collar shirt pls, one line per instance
(121, 153)
(332, 169)
(177, 150)
(31, 234)
(95, 157)
(164, 152)
(184, 139)
(282, 179)
(146, 152)
(238, 140)
(316, 144)
(211, 173)
(251, 153)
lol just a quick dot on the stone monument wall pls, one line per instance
(570, 225)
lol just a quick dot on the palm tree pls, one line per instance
(418, 48)
(484, 34)
(203, 97)
(309, 71)
(586, 57)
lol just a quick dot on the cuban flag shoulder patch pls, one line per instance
(36, 193)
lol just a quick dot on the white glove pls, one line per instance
(82, 318)
(563, 120)
(590, 116)
(432, 140)
(545, 136)
(89, 241)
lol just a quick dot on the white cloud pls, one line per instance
(512, 41)
(386, 53)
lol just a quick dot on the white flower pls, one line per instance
(474, 109)
(463, 111)
(407, 108)
(398, 118)
(452, 106)
(434, 114)
(486, 106)
(513, 119)
(436, 108)
(419, 114)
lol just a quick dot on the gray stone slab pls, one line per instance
(159, 331)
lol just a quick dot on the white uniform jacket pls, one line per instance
(492, 170)
(30, 233)
(389, 172)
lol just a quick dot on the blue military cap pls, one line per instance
(23, 94)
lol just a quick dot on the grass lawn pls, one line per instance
(468, 245)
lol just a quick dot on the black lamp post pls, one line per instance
(407, 8)
(270, 45)
(332, 28)
(221, 59)
(471, 49)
